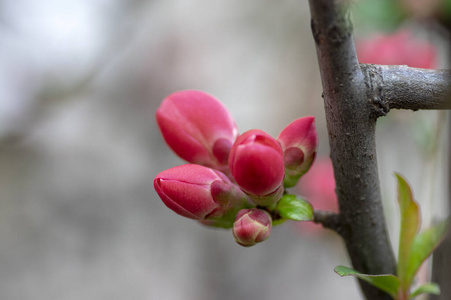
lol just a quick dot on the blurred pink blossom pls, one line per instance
(318, 187)
(399, 48)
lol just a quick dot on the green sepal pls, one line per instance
(225, 221)
(278, 221)
(430, 288)
(217, 223)
(386, 282)
(295, 208)
(291, 181)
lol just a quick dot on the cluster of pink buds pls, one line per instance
(231, 180)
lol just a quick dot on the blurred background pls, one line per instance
(79, 147)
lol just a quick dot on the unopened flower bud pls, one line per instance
(197, 192)
(251, 226)
(256, 163)
(197, 127)
(299, 141)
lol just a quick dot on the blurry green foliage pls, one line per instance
(380, 15)
(446, 13)
(388, 15)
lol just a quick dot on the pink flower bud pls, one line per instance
(299, 141)
(251, 226)
(197, 127)
(197, 192)
(256, 163)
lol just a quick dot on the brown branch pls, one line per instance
(351, 123)
(401, 87)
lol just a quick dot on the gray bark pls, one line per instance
(401, 87)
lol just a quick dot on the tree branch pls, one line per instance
(351, 123)
(329, 220)
(401, 87)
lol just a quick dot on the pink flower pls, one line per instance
(197, 127)
(318, 187)
(256, 163)
(197, 192)
(251, 226)
(299, 142)
(400, 48)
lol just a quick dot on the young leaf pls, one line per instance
(422, 247)
(410, 223)
(387, 282)
(430, 288)
(295, 208)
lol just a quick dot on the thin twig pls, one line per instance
(329, 220)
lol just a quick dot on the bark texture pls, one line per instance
(402, 87)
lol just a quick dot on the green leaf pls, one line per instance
(430, 288)
(410, 224)
(423, 246)
(387, 282)
(295, 208)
